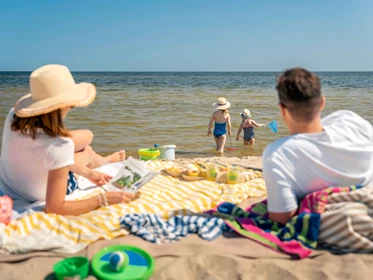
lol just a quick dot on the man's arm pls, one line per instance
(282, 201)
(282, 218)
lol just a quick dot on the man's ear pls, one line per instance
(322, 103)
(282, 110)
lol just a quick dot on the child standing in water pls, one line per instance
(221, 118)
(247, 125)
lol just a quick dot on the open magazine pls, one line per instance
(132, 176)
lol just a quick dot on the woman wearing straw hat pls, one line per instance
(39, 154)
(247, 125)
(222, 120)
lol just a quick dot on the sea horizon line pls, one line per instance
(182, 71)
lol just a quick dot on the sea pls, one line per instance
(135, 110)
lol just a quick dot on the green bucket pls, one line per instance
(149, 154)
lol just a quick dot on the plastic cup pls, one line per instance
(212, 171)
(233, 173)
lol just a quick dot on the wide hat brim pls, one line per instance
(245, 116)
(81, 95)
(221, 107)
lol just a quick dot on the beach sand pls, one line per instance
(228, 257)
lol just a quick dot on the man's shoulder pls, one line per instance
(343, 116)
(345, 121)
(278, 145)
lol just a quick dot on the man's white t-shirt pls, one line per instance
(25, 162)
(341, 155)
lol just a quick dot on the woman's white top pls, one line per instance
(26, 162)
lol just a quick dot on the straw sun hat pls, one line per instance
(53, 87)
(246, 114)
(221, 104)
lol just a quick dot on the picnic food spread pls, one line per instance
(210, 171)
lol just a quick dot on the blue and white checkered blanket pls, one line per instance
(152, 228)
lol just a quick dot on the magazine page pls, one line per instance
(132, 176)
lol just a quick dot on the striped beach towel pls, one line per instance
(296, 238)
(164, 196)
(347, 223)
(153, 228)
(321, 218)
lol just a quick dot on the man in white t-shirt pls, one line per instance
(336, 150)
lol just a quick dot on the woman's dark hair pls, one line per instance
(51, 124)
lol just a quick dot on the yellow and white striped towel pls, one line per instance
(163, 195)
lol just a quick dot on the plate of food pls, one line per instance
(192, 178)
(175, 171)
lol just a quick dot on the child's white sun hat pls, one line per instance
(246, 114)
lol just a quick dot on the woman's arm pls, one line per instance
(98, 178)
(210, 125)
(56, 192)
(80, 170)
(229, 125)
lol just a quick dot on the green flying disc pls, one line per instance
(70, 268)
(137, 264)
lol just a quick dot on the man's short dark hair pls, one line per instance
(299, 91)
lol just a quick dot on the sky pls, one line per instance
(187, 35)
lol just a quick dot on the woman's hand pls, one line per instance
(237, 139)
(119, 197)
(98, 178)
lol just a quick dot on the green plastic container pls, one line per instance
(72, 267)
(149, 154)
